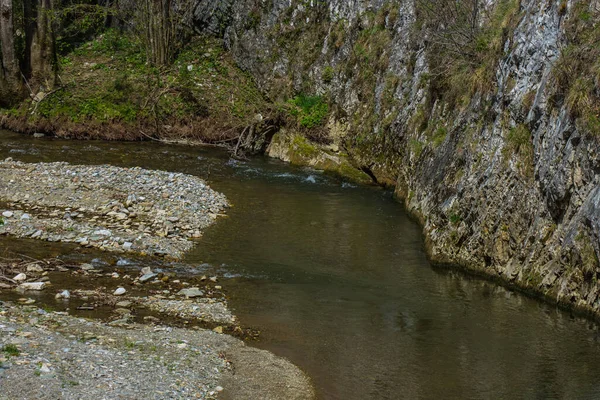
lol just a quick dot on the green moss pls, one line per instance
(348, 171)
(303, 147)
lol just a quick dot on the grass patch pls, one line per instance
(11, 350)
(577, 71)
(519, 142)
(106, 82)
(310, 111)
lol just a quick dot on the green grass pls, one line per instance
(107, 81)
(11, 350)
(310, 111)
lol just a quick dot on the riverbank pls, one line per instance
(154, 335)
(111, 208)
(49, 355)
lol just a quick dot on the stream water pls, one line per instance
(336, 279)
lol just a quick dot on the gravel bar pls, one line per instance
(110, 208)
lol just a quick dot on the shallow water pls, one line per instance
(336, 279)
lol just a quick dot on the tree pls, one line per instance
(40, 42)
(163, 26)
(11, 79)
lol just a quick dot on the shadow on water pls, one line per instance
(336, 279)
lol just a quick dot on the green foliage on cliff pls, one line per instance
(519, 142)
(310, 111)
(466, 46)
(577, 71)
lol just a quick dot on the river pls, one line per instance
(335, 277)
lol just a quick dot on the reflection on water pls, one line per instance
(335, 277)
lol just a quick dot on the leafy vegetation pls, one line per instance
(310, 111)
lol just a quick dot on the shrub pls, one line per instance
(310, 111)
(327, 75)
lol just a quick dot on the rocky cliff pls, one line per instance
(499, 159)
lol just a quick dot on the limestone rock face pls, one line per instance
(530, 217)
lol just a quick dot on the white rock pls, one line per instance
(34, 268)
(33, 285)
(65, 294)
(7, 214)
(86, 267)
(103, 232)
(120, 291)
(20, 277)
(25, 216)
(127, 245)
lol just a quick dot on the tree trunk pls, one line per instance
(10, 64)
(40, 41)
(158, 31)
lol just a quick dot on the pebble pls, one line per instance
(120, 291)
(145, 278)
(124, 304)
(7, 214)
(65, 294)
(20, 277)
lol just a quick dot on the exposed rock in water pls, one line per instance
(191, 292)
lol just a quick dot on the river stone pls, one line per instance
(33, 285)
(7, 214)
(86, 267)
(38, 135)
(127, 245)
(191, 292)
(25, 217)
(124, 304)
(146, 277)
(120, 291)
(102, 232)
(20, 277)
(34, 268)
(65, 294)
